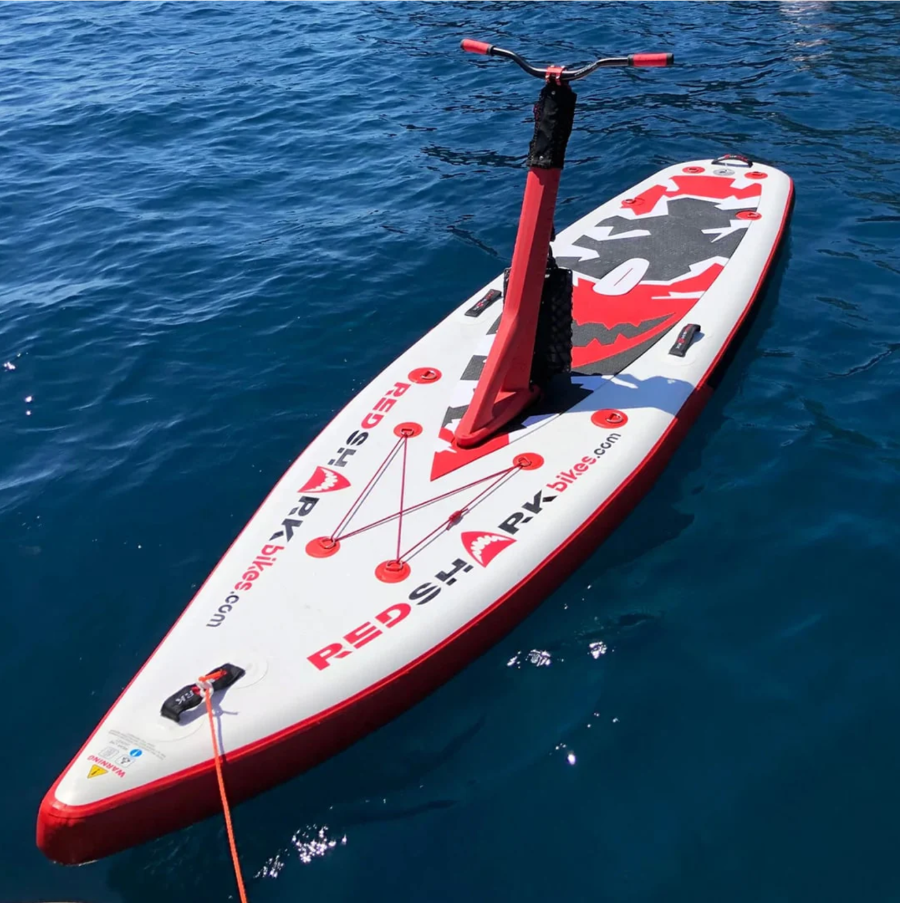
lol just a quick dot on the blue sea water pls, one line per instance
(218, 222)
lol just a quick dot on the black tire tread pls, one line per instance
(553, 342)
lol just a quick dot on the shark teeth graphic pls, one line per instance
(325, 480)
(484, 547)
(727, 230)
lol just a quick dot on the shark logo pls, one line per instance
(484, 547)
(325, 480)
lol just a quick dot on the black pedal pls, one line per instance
(685, 337)
(482, 304)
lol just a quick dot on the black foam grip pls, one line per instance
(553, 116)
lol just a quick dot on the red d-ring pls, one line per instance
(632, 202)
(749, 214)
(528, 461)
(392, 571)
(609, 418)
(424, 375)
(322, 547)
(407, 430)
(693, 169)
(756, 174)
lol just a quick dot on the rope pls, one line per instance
(456, 515)
(344, 523)
(431, 501)
(205, 684)
(402, 494)
(354, 508)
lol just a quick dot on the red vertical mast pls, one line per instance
(504, 389)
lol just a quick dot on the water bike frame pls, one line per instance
(505, 387)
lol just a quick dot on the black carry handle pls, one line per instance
(731, 159)
(191, 696)
(560, 73)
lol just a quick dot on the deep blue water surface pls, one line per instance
(218, 222)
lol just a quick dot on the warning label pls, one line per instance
(96, 771)
(106, 766)
(129, 741)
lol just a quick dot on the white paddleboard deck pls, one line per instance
(331, 650)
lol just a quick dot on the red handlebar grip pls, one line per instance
(651, 59)
(471, 46)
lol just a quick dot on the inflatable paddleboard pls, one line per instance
(388, 556)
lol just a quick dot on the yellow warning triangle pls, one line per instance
(96, 771)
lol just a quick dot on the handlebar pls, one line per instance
(561, 73)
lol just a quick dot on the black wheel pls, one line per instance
(553, 343)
